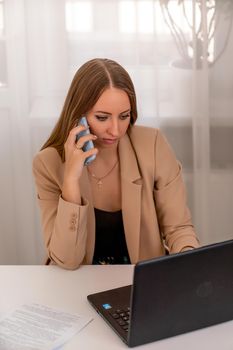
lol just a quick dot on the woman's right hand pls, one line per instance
(74, 155)
(74, 162)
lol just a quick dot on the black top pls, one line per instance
(110, 244)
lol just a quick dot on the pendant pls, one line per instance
(99, 183)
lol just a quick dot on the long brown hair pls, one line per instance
(89, 82)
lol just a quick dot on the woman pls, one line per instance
(127, 204)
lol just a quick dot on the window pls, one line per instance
(142, 16)
(133, 33)
(79, 17)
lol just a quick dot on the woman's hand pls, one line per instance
(74, 155)
(74, 163)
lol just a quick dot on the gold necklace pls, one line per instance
(99, 179)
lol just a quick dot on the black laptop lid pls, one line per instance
(181, 292)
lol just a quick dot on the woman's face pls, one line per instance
(110, 117)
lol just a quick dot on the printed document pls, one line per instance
(39, 327)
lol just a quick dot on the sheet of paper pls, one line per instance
(38, 327)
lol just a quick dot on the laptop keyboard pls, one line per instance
(122, 317)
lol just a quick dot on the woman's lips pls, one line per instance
(109, 141)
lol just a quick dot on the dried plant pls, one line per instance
(209, 15)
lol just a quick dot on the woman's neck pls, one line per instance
(108, 154)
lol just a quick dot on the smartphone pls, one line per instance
(87, 145)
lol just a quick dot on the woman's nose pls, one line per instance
(114, 128)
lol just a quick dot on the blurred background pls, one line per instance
(179, 55)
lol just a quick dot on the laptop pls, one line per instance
(171, 295)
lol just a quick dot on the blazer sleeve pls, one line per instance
(170, 199)
(63, 223)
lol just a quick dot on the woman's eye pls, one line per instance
(125, 116)
(101, 118)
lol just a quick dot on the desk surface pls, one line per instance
(67, 290)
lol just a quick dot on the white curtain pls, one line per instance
(42, 44)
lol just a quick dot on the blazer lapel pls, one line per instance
(131, 186)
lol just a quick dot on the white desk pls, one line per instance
(67, 290)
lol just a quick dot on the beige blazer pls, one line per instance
(153, 203)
